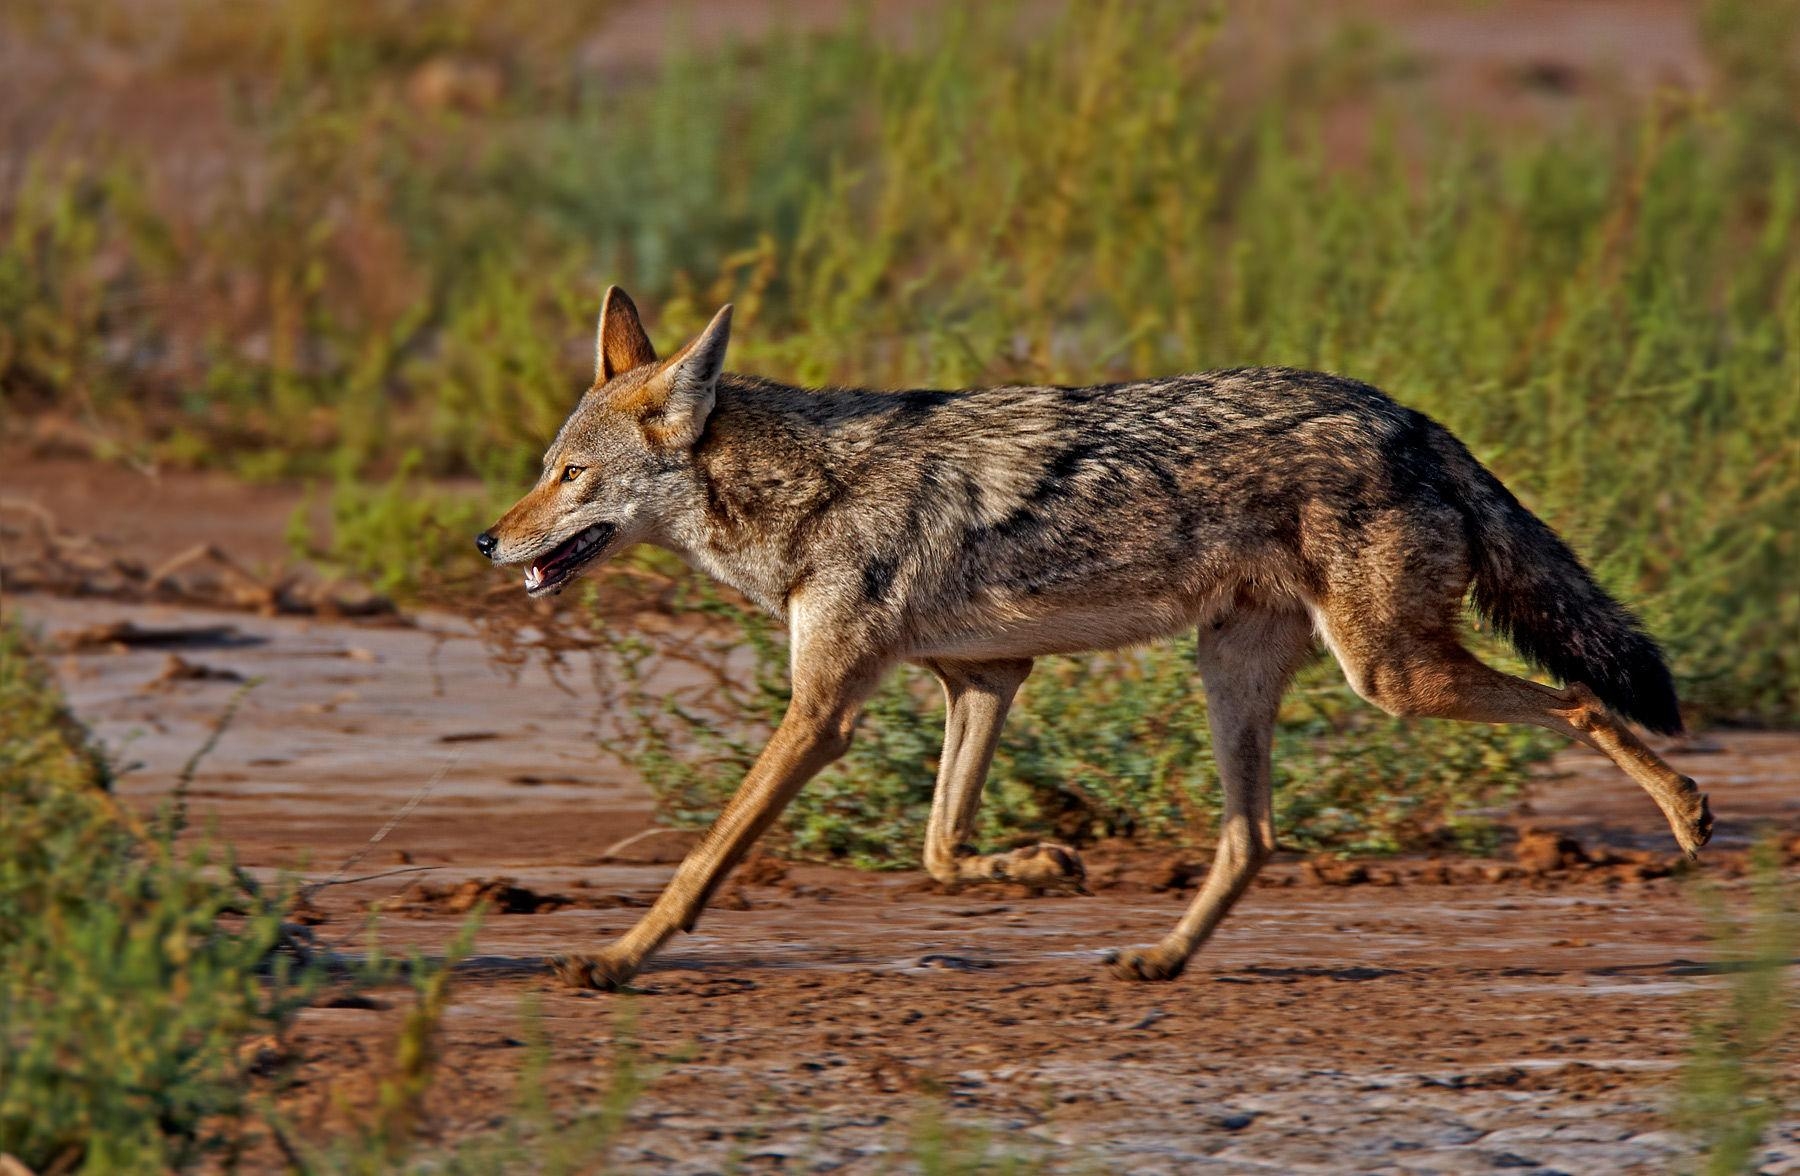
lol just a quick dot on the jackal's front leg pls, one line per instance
(828, 693)
(977, 696)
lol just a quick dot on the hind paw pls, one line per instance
(1042, 867)
(1694, 829)
(601, 972)
(1144, 963)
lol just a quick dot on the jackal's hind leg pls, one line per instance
(1433, 675)
(1245, 663)
(977, 696)
(1578, 714)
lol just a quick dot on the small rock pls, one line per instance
(762, 870)
(1177, 874)
(260, 1056)
(1541, 851)
(1329, 871)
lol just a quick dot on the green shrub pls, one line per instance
(403, 535)
(131, 968)
(1738, 1078)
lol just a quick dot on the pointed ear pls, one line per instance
(687, 386)
(619, 342)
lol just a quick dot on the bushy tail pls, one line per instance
(1533, 590)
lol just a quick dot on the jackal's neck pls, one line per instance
(768, 467)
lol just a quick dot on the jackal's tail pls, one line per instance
(1536, 594)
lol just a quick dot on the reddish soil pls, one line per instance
(1441, 1015)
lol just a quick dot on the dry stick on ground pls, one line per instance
(203, 553)
(312, 888)
(393, 822)
(620, 846)
(185, 778)
(46, 521)
(337, 878)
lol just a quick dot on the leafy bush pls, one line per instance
(1738, 1078)
(131, 968)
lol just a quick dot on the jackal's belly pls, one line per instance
(1007, 631)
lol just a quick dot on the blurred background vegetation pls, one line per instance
(362, 243)
(365, 242)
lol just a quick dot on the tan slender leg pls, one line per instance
(1432, 675)
(1245, 664)
(829, 690)
(977, 696)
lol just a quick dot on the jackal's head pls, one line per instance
(620, 469)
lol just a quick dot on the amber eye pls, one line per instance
(571, 472)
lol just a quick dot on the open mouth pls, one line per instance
(548, 573)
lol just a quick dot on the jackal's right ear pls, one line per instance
(619, 342)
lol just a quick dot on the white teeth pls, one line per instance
(583, 543)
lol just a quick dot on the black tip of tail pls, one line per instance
(1642, 690)
(1615, 659)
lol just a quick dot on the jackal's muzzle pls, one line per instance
(550, 570)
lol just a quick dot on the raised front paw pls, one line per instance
(602, 971)
(1144, 963)
(1042, 867)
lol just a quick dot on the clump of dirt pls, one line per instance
(1177, 874)
(1330, 871)
(179, 669)
(125, 636)
(1575, 1079)
(762, 870)
(503, 896)
(1542, 850)
(1541, 857)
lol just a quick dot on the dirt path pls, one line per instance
(808, 1025)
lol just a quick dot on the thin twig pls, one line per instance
(611, 851)
(312, 888)
(393, 821)
(185, 778)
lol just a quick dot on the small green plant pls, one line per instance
(402, 534)
(385, 1135)
(132, 966)
(1740, 1074)
(939, 1146)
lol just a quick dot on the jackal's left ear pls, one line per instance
(619, 340)
(681, 397)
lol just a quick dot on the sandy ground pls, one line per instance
(1533, 1022)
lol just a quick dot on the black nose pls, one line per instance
(485, 543)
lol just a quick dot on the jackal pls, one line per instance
(972, 531)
